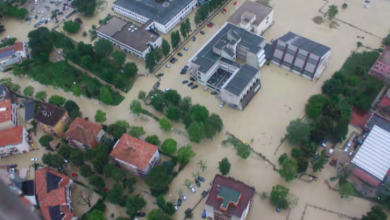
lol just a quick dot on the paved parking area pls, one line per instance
(41, 10)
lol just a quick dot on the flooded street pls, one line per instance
(281, 99)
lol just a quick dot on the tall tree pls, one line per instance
(40, 41)
(17, 71)
(41, 96)
(85, 7)
(196, 131)
(158, 214)
(174, 41)
(71, 26)
(134, 204)
(165, 124)
(346, 190)
(298, 132)
(115, 194)
(315, 105)
(96, 215)
(188, 26)
(97, 182)
(169, 146)
(105, 95)
(165, 47)
(213, 125)
(45, 140)
(242, 150)
(57, 100)
(100, 116)
(137, 131)
(173, 112)
(130, 69)
(376, 213)
(53, 160)
(185, 153)
(116, 130)
(183, 29)
(76, 91)
(172, 97)
(28, 91)
(278, 196)
(150, 61)
(224, 166)
(54, 15)
(135, 107)
(332, 11)
(158, 179)
(119, 57)
(153, 139)
(289, 169)
(76, 157)
(103, 48)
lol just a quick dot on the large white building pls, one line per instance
(229, 64)
(164, 14)
(14, 141)
(130, 38)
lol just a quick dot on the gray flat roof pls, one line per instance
(241, 79)
(380, 122)
(206, 58)
(121, 31)
(305, 44)
(261, 12)
(159, 12)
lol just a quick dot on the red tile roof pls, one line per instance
(366, 177)
(84, 132)
(11, 136)
(18, 46)
(385, 102)
(246, 191)
(5, 114)
(359, 117)
(134, 151)
(56, 197)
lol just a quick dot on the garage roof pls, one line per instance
(374, 155)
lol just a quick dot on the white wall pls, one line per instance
(264, 25)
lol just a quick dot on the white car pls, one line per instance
(167, 66)
(167, 89)
(349, 144)
(222, 104)
(330, 152)
(192, 189)
(184, 197)
(176, 207)
(34, 159)
(351, 153)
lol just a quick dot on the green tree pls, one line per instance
(96, 215)
(97, 182)
(123, 123)
(116, 130)
(174, 40)
(376, 213)
(332, 11)
(296, 153)
(17, 71)
(103, 48)
(105, 95)
(332, 87)
(242, 150)
(76, 157)
(137, 131)
(65, 150)
(100, 116)
(282, 158)
(85, 7)
(53, 160)
(278, 196)
(224, 166)
(28, 91)
(158, 179)
(158, 214)
(172, 97)
(108, 169)
(333, 111)
(188, 26)
(54, 15)
(115, 194)
(297, 132)
(141, 95)
(130, 69)
(158, 102)
(183, 30)
(346, 190)
(315, 105)
(169, 208)
(213, 125)
(77, 91)
(135, 107)
(98, 156)
(41, 96)
(318, 165)
(86, 61)
(165, 124)
(57, 100)
(15, 88)
(71, 106)
(386, 40)
(119, 57)
(168, 165)
(150, 61)
(199, 113)
(40, 41)
(288, 170)
(165, 47)
(185, 153)
(169, 146)
(43, 57)
(196, 132)
(177, 33)
(134, 204)
(186, 104)
(129, 184)
(153, 139)
(85, 170)
(303, 164)
(173, 113)
(71, 26)
(45, 140)
(202, 165)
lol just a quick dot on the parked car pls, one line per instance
(185, 48)
(351, 153)
(179, 202)
(194, 87)
(222, 104)
(204, 214)
(167, 66)
(192, 189)
(157, 84)
(180, 54)
(235, 3)
(202, 32)
(223, 11)
(176, 207)
(355, 139)
(58, 146)
(361, 141)
(278, 209)
(324, 143)
(13, 166)
(172, 60)
(333, 162)
(192, 79)
(60, 13)
(140, 214)
(193, 38)
(346, 149)
(197, 183)
(330, 152)
(160, 74)
(211, 183)
(167, 89)
(190, 84)
(204, 193)
(209, 25)
(184, 197)
(34, 159)
(188, 210)
(75, 175)
(201, 178)
(185, 81)
(214, 93)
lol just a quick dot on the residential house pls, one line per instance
(130, 38)
(8, 114)
(381, 68)
(11, 55)
(135, 155)
(14, 141)
(300, 55)
(52, 119)
(253, 17)
(164, 14)
(229, 199)
(84, 134)
(54, 192)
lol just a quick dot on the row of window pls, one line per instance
(381, 70)
(136, 52)
(130, 14)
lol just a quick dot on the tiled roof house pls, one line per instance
(52, 119)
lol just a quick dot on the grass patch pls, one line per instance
(64, 76)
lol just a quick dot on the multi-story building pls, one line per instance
(130, 38)
(54, 192)
(8, 114)
(253, 17)
(14, 141)
(12, 55)
(84, 134)
(135, 155)
(229, 199)
(381, 68)
(52, 119)
(300, 55)
(215, 66)
(164, 14)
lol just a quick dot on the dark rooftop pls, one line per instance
(52, 181)
(154, 10)
(261, 12)
(241, 79)
(305, 44)
(380, 122)
(206, 58)
(29, 107)
(268, 49)
(247, 193)
(55, 213)
(28, 187)
(128, 33)
(49, 114)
